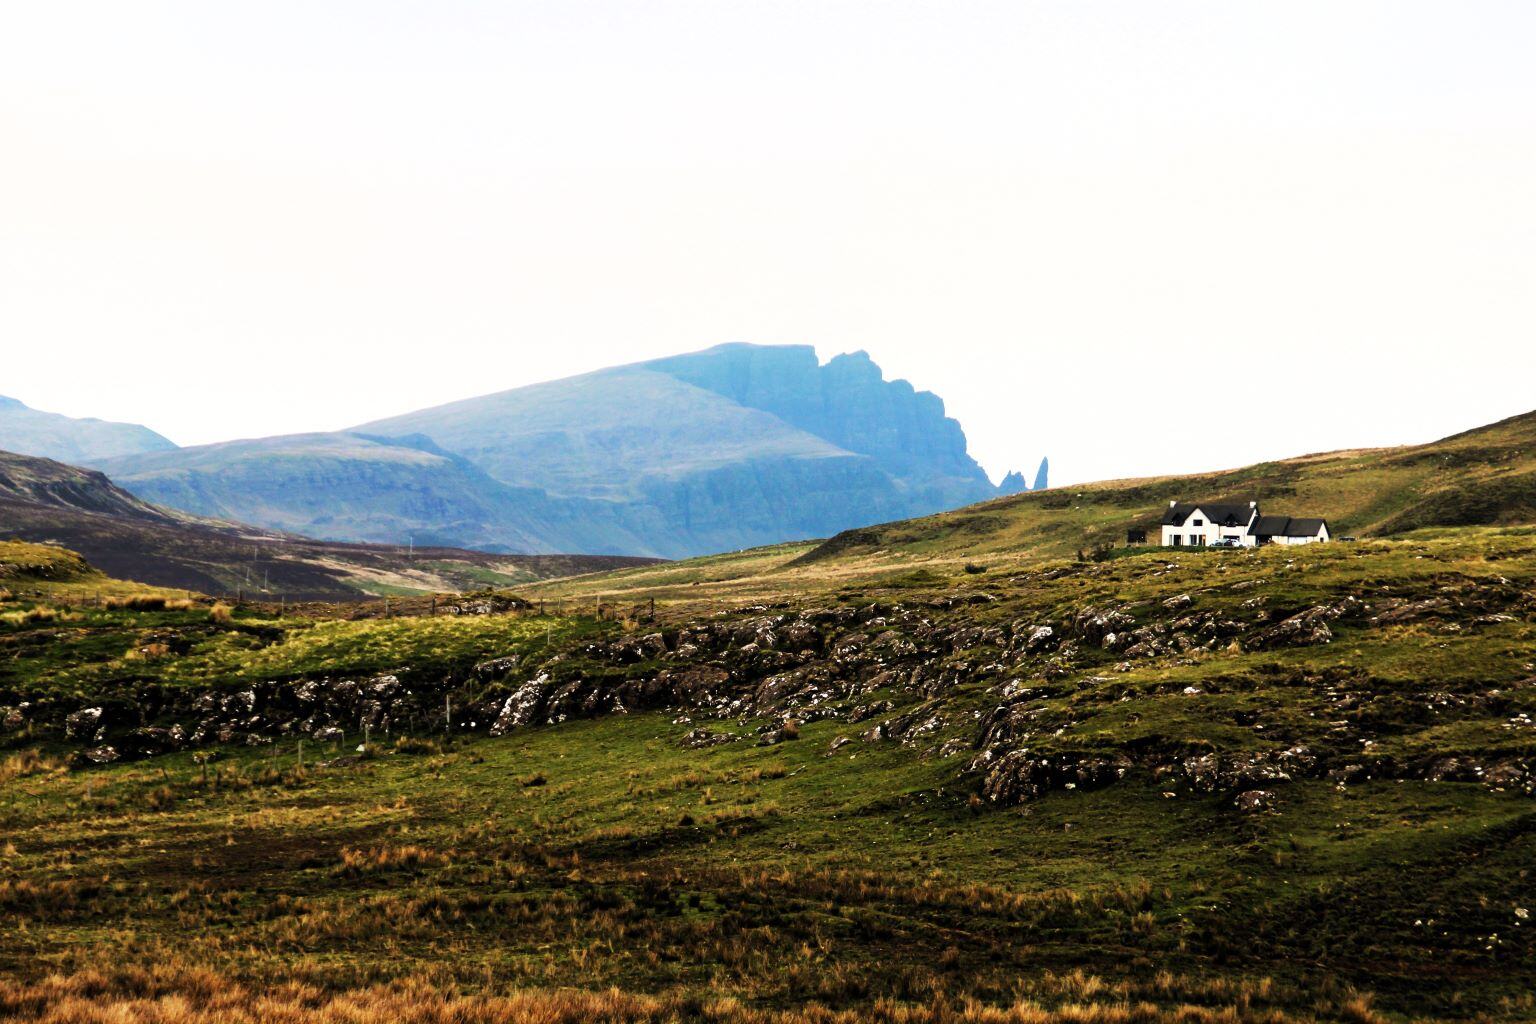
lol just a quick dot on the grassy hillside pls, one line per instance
(1257, 786)
(1479, 478)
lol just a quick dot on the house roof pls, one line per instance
(1270, 526)
(1305, 527)
(1285, 526)
(1222, 513)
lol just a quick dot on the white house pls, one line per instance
(1189, 524)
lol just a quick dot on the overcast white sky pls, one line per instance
(1139, 237)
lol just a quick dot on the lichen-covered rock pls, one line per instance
(523, 707)
(1308, 628)
(83, 724)
(153, 740)
(1021, 775)
(696, 739)
(1094, 624)
(496, 668)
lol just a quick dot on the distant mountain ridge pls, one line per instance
(731, 447)
(51, 435)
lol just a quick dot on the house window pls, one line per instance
(1197, 522)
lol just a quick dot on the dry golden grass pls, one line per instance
(32, 616)
(221, 614)
(29, 762)
(389, 858)
(190, 996)
(149, 603)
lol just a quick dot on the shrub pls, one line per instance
(221, 614)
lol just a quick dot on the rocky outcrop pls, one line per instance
(946, 677)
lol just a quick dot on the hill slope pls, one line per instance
(728, 448)
(78, 441)
(46, 501)
(1483, 477)
(1280, 786)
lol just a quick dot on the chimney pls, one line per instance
(1172, 504)
(1253, 504)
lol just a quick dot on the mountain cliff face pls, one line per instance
(736, 446)
(849, 403)
(49, 435)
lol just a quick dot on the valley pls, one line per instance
(81, 510)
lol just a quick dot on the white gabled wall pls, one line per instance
(1207, 532)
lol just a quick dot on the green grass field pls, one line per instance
(865, 864)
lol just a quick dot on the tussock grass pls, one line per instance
(149, 603)
(375, 860)
(29, 762)
(34, 615)
(202, 997)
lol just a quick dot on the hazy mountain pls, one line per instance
(50, 435)
(731, 447)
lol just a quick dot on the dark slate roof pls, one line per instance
(1305, 527)
(1271, 526)
(1223, 513)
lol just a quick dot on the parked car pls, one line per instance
(1226, 542)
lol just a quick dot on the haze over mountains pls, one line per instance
(79, 441)
(732, 447)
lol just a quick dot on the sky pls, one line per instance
(1138, 238)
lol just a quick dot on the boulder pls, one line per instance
(523, 707)
(84, 724)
